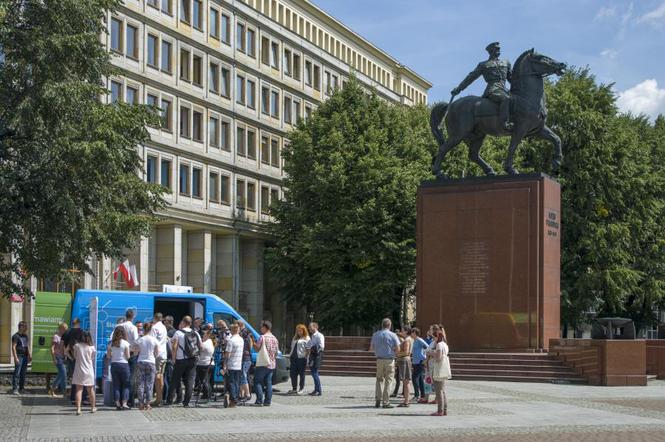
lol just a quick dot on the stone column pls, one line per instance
(168, 269)
(227, 268)
(105, 277)
(252, 278)
(199, 261)
(143, 264)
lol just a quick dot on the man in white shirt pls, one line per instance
(159, 332)
(315, 348)
(132, 334)
(186, 346)
(233, 363)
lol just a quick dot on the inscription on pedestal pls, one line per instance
(473, 268)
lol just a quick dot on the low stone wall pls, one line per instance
(604, 362)
(656, 357)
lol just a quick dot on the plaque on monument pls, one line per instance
(488, 261)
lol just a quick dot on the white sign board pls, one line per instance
(176, 289)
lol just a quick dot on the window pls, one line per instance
(251, 144)
(240, 37)
(327, 85)
(213, 78)
(240, 194)
(213, 190)
(240, 142)
(251, 94)
(226, 80)
(335, 83)
(165, 174)
(184, 65)
(317, 78)
(308, 112)
(274, 196)
(226, 29)
(184, 122)
(297, 109)
(226, 189)
(308, 73)
(132, 49)
(151, 169)
(166, 56)
(184, 179)
(184, 11)
(116, 92)
(213, 131)
(214, 23)
(251, 196)
(265, 100)
(197, 68)
(274, 152)
(240, 90)
(226, 136)
(265, 200)
(251, 43)
(166, 7)
(132, 95)
(153, 3)
(265, 150)
(287, 62)
(265, 51)
(296, 67)
(274, 104)
(287, 109)
(274, 55)
(116, 35)
(151, 100)
(152, 51)
(196, 182)
(167, 119)
(197, 126)
(197, 14)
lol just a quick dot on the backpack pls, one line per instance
(191, 349)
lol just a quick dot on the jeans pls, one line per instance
(263, 381)
(146, 382)
(233, 378)
(133, 377)
(18, 379)
(297, 369)
(60, 382)
(418, 379)
(120, 375)
(168, 373)
(244, 376)
(314, 366)
(184, 370)
(203, 380)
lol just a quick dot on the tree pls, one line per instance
(345, 230)
(68, 162)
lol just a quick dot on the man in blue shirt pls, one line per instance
(384, 344)
(418, 357)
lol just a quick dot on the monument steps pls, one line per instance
(489, 366)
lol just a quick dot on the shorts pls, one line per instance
(245, 372)
(160, 365)
(404, 367)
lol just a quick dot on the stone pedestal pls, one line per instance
(489, 261)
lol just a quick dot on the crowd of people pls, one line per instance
(153, 364)
(407, 358)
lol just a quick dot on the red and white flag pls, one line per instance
(128, 273)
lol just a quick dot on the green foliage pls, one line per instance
(68, 163)
(345, 231)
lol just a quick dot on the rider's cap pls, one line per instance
(493, 45)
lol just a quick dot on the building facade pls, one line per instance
(231, 78)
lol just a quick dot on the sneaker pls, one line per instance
(301, 391)
(257, 404)
(388, 406)
(15, 392)
(266, 405)
(23, 391)
(315, 393)
(292, 392)
(437, 413)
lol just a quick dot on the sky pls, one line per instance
(621, 41)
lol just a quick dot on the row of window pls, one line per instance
(159, 55)
(159, 170)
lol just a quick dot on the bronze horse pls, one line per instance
(472, 118)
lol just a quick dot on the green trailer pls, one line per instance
(51, 309)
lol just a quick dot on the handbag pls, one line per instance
(263, 359)
(441, 369)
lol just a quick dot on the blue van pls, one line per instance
(99, 310)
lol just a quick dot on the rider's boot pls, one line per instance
(504, 113)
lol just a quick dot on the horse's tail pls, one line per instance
(435, 119)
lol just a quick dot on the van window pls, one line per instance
(226, 317)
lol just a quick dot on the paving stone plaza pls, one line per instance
(478, 411)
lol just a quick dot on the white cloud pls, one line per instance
(609, 53)
(654, 15)
(605, 12)
(643, 98)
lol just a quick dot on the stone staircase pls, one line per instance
(513, 367)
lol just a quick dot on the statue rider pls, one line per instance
(495, 72)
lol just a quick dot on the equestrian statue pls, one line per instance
(518, 113)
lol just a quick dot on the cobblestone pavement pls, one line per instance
(478, 411)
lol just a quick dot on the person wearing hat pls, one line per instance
(495, 72)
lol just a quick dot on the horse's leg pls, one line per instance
(547, 134)
(518, 134)
(474, 155)
(443, 150)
